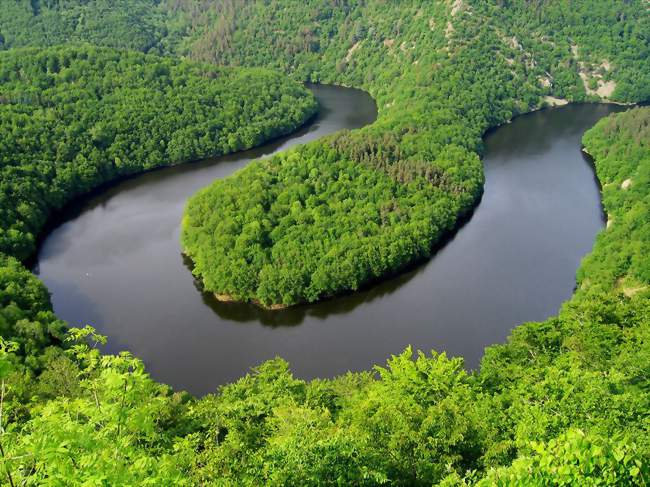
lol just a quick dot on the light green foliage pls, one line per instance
(409, 425)
(575, 459)
(114, 432)
(417, 421)
(6, 368)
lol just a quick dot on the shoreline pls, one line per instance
(228, 298)
(58, 216)
(443, 239)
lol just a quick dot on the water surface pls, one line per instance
(115, 263)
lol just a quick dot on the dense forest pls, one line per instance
(561, 48)
(564, 401)
(128, 24)
(74, 118)
(442, 76)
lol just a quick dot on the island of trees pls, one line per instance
(564, 401)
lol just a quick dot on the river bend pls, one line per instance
(113, 261)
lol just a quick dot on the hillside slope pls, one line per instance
(131, 24)
(74, 118)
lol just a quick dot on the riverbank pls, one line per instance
(438, 242)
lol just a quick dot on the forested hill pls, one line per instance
(131, 24)
(570, 49)
(442, 74)
(573, 49)
(621, 147)
(73, 118)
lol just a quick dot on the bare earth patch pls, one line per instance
(224, 298)
(348, 56)
(606, 89)
(449, 30)
(629, 289)
(456, 7)
(555, 102)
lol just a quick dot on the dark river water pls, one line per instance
(114, 262)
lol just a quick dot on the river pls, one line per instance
(113, 261)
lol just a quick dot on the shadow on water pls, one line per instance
(337, 305)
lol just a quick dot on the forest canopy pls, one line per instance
(564, 401)
(76, 117)
(130, 24)
(318, 222)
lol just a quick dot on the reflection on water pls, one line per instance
(114, 261)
